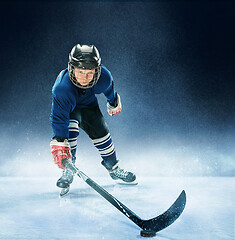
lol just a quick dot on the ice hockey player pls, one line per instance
(74, 106)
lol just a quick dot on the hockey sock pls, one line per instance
(73, 134)
(106, 149)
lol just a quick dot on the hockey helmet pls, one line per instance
(84, 57)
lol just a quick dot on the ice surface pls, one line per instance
(31, 209)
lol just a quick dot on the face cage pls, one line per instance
(90, 84)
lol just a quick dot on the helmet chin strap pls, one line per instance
(82, 91)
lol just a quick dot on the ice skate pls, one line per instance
(120, 175)
(64, 192)
(66, 179)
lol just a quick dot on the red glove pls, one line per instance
(116, 108)
(60, 151)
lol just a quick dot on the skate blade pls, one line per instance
(64, 192)
(120, 182)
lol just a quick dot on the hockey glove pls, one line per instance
(60, 150)
(115, 108)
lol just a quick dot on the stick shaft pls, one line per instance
(116, 203)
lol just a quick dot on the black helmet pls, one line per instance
(84, 57)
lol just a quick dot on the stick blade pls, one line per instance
(168, 217)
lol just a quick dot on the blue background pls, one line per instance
(172, 63)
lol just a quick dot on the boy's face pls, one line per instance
(84, 76)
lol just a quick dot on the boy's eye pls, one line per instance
(86, 73)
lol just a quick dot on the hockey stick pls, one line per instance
(152, 225)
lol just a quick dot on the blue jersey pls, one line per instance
(66, 96)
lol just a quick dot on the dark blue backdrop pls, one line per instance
(172, 62)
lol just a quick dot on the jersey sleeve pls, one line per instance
(62, 105)
(108, 89)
